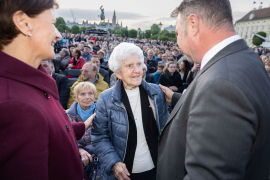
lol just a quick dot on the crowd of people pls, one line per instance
(120, 108)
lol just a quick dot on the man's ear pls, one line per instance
(22, 22)
(193, 24)
(118, 75)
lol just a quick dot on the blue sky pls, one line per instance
(139, 13)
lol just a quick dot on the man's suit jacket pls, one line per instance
(150, 78)
(219, 129)
(59, 67)
(63, 88)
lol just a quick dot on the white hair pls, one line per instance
(121, 53)
(144, 66)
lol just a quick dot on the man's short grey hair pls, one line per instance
(121, 53)
(213, 13)
(150, 50)
(66, 52)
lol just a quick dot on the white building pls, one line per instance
(255, 21)
(170, 28)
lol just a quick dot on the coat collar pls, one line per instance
(117, 94)
(12, 68)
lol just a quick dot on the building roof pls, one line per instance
(259, 14)
(171, 26)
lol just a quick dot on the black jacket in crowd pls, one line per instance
(166, 79)
(152, 65)
(150, 78)
(63, 88)
(105, 75)
(59, 67)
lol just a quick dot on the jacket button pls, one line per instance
(68, 128)
(47, 95)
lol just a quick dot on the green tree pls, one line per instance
(124, 33)
(59, 21)
(132, 33)
(154, 27)
(164, 38)
(110, 30)
(173, 39)
(116, 29)
(154, 37)
(92, 27)
(75, 29)
(154, 32)
(164, 31)
(63, 26)
(83, 29)
(257, 41)
(60, 29)
(147, 34)
(173, 34)
(167, 34)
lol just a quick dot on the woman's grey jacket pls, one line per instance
(110, 129)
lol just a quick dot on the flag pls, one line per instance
(254, 2)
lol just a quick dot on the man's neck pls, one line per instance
(92, 79)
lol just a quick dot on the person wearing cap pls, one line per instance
(103, 63)
(86, 53)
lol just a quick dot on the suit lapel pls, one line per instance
(232, 48)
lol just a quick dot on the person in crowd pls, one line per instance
(86, 53)
(89, 74)
(103, 63)
(96, 47)
(64, 57)
(176, 54)
(59, 67)
(149, 78)
(164, 61)
(193, 73)
(158, 73)
(77, 38)
(61, 82)
(71, 47)
(151, 62)
(267, 62)
(77, 61)
(70, 39)
(134, 113)
(82, 108)
(159, 58)
(95, 60)
(183, 70)
(81, 47)
(35, 129)
(170, 57)
(171, 78)
(223, 116)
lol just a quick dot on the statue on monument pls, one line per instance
(102, 15)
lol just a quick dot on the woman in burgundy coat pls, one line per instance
(37, 139)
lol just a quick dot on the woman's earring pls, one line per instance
(29, 35)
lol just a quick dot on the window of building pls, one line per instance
(263, 28)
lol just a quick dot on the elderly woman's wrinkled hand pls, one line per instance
(120, 171)
(89, 121)
(86, 157)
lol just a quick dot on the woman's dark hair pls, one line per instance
(78, 56)
(187, 65)
(31, 8)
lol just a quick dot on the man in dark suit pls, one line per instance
(59, 67)
(61, 82)
(219, 128)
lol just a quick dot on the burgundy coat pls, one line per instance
(37, 138)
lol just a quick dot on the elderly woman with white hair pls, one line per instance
(64, 56)
(130, 118)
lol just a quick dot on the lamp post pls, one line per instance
(139, 30)
(159, 26)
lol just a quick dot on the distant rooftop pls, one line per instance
(171, 26)
(256, 14)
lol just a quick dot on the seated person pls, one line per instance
(147, 77)
(183, 70)
(171, 78)
(59, 67)
(193, 72)
(61, 82)
(86, 53)
(80, 111)
(89, 74)
(95, 60)
(158, 73)
(64, 57)
(77, 61)
(103, 63)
